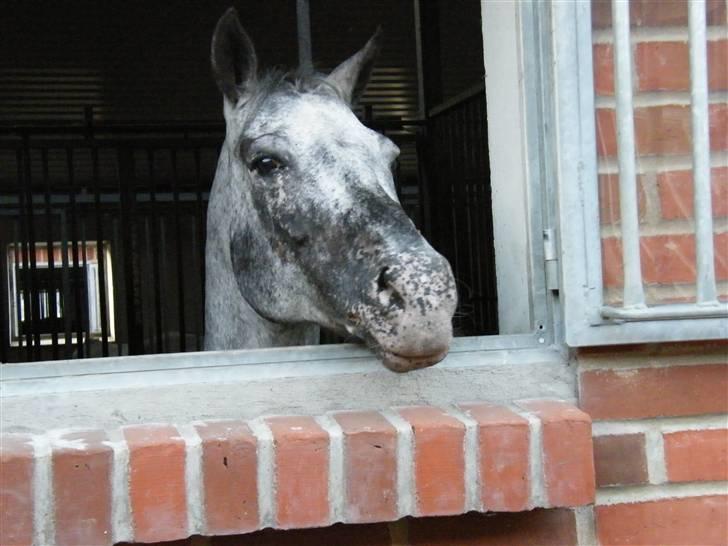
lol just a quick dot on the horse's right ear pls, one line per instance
(234, 64)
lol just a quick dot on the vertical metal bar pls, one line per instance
(201, 230)
(52, 287)
(19, 299)
(303, 24)
(153, 220)
(78, 311)
(704, 259)
(100, 254)
(421, 106)
(66, 285)
(633, 290)
(132, 285)
(179, 248)
(22, 261)
(33, 287)
(85, 302)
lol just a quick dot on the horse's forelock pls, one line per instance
(277, 82)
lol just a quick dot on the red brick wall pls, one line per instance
(660, 442)
(661, 87)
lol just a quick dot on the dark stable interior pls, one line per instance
(110, 125)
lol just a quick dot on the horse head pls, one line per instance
(306, 213)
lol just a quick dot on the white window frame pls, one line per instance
(586, 323)
(528, 360)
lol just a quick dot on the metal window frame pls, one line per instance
(586, 320)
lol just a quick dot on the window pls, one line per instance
(66, 300)
(644, 250)
(144, 190)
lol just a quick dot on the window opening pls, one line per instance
(137, 172)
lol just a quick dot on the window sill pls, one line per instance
(181, 388)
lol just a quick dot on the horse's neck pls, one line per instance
(230, 321)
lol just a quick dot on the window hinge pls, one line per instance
(551, 257)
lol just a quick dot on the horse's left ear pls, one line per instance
(234, 63)
(351, 76)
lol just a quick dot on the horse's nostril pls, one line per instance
(383, 280)
(388, 291)
(301, 240)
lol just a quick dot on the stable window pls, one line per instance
(473, 173)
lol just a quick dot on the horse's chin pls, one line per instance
(406, 363)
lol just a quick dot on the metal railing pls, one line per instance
(633, 307)
(135, 196)
(458, 205)
(102, 229)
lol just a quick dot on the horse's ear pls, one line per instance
(234, 63)
(352, 76)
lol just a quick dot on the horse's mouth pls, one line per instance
(405, 363)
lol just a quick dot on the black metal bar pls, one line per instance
(201, 233)
(180, 262)
(100, 253)
(153, 219)
(19, 300)
(66, 286)
(31, 298)
(479, 210)
(34, 285)
(77, 302)
(23, 160)
(134, 322)
(85, 302)
(50, 248)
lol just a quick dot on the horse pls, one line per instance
(304, 227)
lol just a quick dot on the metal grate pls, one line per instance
(633, 304)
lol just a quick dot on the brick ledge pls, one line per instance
(158, 482)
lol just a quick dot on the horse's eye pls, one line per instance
(265, 165)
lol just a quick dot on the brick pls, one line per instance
(657, 13)
(555, 527)
(157, 482)
(339, 534)
(620, 459)
(302, 470)
(568, 458)
(603, 60)
(676, 193)
(692, 520)
(503, 444)
(696, 455)
(665, 66)
(16, 489)
(661, 130)
(439, 460)
(229, 469)
(654, 392)
(370, 460)
(82, 466)
(609, 212)
(666, 259)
